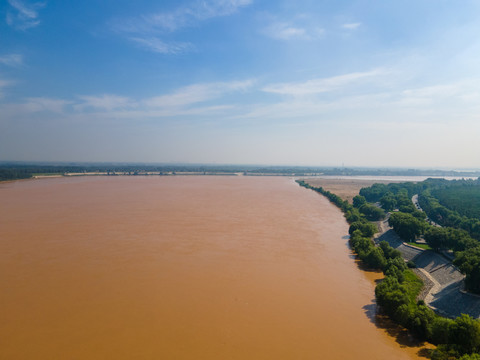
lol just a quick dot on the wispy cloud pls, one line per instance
(351, 26)
(206, 100)
(197, 11)
(203, 99)
(13, 60)
(159, 46)
(361, 100)
(38, 104)
(197, 93)
(3, 84)
(105, 102)
(297, 27)
(23, 15)
(149, 30)
(285, 31)
(467, 92)
(316, 86)
(34, 105)
(368, 98)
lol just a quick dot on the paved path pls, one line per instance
(417, 205)
(444, 283)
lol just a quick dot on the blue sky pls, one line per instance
(360, 83)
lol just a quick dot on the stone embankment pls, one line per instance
(443, 290)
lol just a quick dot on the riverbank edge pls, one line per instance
(460, 337)
(323, 192)
(416, 274)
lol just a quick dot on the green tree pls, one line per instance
(375, 258)
(441, 330)
(465, 333)
(359, 200)
(436, 237)
(390, 295)
(406, 225)
(420, 322)
(390, 252)
(388, 201)
(368, 229)
(372, 212)
(470, 357)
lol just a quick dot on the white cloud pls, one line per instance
(11, 60)
(318, 32)
(157, 45)
(3, 84)
(323, 85)
(187, 101)
(209, 9)
(299, 26)
(24, 15)
(148, 29)
(38, 104)
(105, 102)
(32, 106)
(433, 91)
(364, 97)
(466, 92)
(197, 93)
(367, 98)
(285, 31)
(308, 105)
(351, 26)
(188, 15)
(163, 112)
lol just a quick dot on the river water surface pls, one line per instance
(181, 268)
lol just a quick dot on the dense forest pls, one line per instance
(462, 198)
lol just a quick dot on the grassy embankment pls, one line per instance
(422, 246)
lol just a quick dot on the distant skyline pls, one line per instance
(307, 83)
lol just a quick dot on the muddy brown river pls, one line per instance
(193, 267)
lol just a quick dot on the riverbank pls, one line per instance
(398, 293)
(443, 283)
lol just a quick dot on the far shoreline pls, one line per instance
(346, 186)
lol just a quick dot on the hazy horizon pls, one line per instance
(353, 83)
(240, 166)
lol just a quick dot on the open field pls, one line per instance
(345, 188)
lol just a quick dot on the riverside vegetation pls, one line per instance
(396, 295)
(453, 223)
